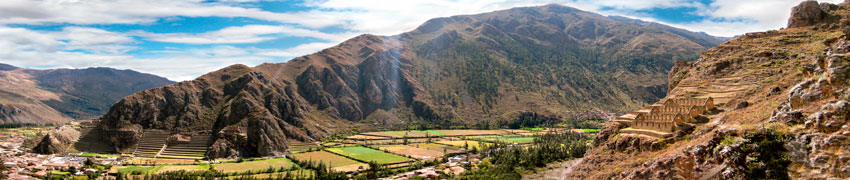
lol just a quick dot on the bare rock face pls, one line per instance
(269, 109)
(57, 141)
(679, 70)
(806, 14)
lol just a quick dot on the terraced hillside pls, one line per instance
(194, 149)
(91, 140)
(152, 143)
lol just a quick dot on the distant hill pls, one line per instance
(59, 95)
(484, 70)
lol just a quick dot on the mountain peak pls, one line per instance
(7, 67)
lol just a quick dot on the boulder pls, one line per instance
(806, 14)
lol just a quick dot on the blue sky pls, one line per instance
(183, 39)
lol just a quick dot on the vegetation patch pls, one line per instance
(336, 162)
(414, 152)
(368, 155)
(183, 168)
(465, 144)
(138, 169)
(253, 166)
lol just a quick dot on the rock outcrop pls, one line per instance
(57, 140)
(806, 14)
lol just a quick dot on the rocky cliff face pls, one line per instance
(57, 140)
(783, 110)
(472, 70)
(59, 95)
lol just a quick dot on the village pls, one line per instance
(20, 163)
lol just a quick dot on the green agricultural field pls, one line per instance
(367, 154)
(301, 173)
(528, 139)
(139, 169)
(515, 139)
(336, 162)
(183, 168)
(590, 130)
(258, 165)
(435, 133)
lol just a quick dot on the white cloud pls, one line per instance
(148, 11)
(79, 47)
(299, 50)
(243, 34)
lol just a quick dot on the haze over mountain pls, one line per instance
(59, 95)
(479, 70)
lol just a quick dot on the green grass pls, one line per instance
(533, 129)
(140, 169)
(516, 139)
(590, 130)
(368, 154)
(258, 165)
(519, 139)
(59, 172)
(325, 157)
(433, 132)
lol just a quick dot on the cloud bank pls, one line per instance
(75, 33)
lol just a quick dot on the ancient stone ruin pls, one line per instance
(664, 117)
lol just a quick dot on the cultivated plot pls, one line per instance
(367, 155)
(337, 162)
(414, 152)
(464, 143)
(254, 166)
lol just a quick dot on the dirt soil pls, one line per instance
(556, 171)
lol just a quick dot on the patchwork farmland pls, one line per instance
(350, 154)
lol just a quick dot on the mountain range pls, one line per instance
(477, 71)
(55, 96)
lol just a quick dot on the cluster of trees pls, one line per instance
(20, 125)
(507, 161)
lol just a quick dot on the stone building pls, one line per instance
(689, 111)
(708, 103)
(667, 115)
(658, 122)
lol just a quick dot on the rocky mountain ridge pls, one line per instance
(476, 71)
(29, 96)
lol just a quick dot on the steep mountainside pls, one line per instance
(783, 110)
(58, 95)
(473, 70)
